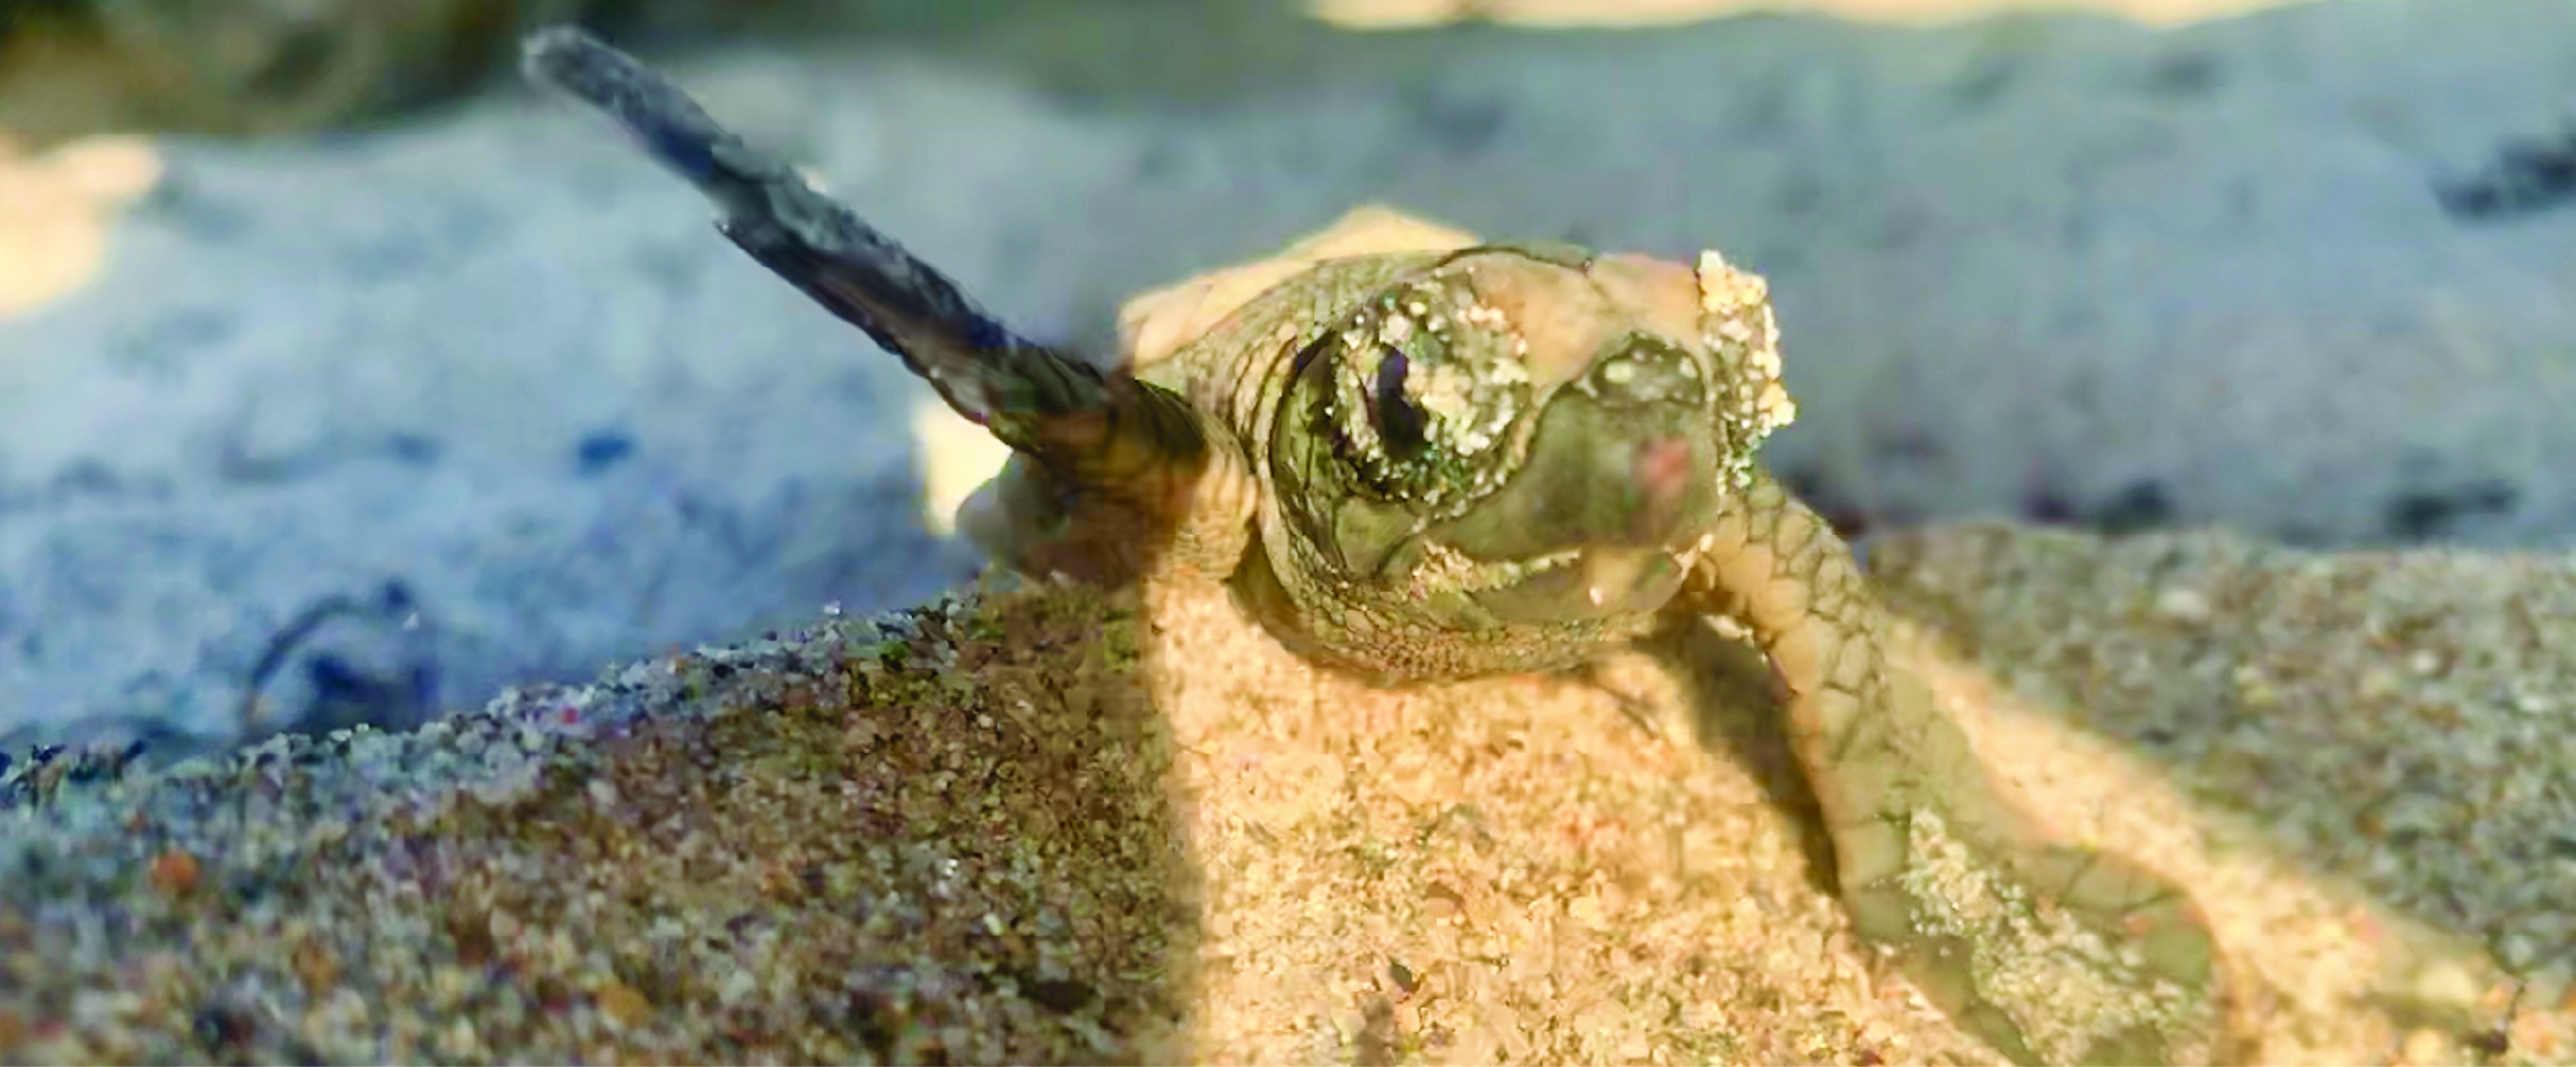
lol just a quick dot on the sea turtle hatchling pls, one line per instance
(1417, 456)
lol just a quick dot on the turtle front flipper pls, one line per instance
(2051, 952)
(1100, 448)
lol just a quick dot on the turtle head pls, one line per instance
(1526, 435)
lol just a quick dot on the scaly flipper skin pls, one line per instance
(1415, 456)
(2050, 952)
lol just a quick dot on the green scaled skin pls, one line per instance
(1418, 456)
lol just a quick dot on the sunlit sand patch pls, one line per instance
(56, 210)
(956, 456)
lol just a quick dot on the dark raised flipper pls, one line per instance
(1122, 453)
(1032, 397)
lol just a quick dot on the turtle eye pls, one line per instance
(1411, 401)
(1401, 423)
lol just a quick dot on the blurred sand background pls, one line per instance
(54, 209)
(1568, 13)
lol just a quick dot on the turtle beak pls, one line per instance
(1660, 475)
(1620, 480)
(1629, 563)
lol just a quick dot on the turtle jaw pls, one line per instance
(1590, 585)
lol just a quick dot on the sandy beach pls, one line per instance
(1058, 827)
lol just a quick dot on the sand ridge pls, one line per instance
(1053, 826)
